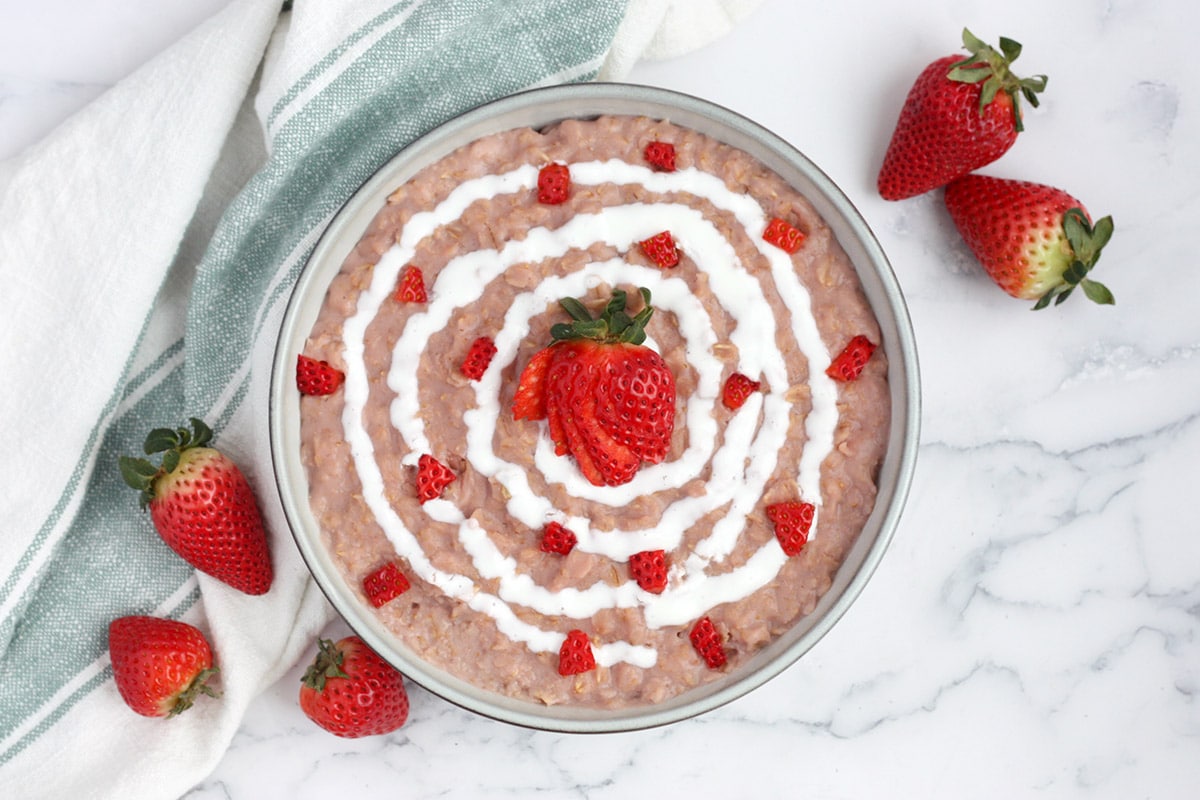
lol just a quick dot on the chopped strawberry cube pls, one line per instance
(432, 478)
(575, 655)
(411, 286)
(649, 569)
(661, 156)
(793, 520)
(558, 539)
(661, 249)
(738, 389)
(849, 363)
(783, 235)
(479, 355)
(554, 183)
(708, 643)
(315, 377)
(385, 584)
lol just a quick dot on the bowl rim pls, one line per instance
(548, 105)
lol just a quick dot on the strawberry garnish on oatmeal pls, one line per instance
(737, 391)
(849, 363)
(411, 286)
(660, 156)
(575, 655)
(479, 355)
(793, 520)
(385, 584)
(661, 249)
(317, 378)
(556, 538)
(553, 184)
(784, 235)
(649, 569)
(432, 478)
(708, 643)
(609, 401)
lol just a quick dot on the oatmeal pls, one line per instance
(487, 602)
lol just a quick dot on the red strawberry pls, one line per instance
(317, 377)
(661, 249)
(848, 364)
(608, 400)
(411, 286)
(960, 115)
(385, 584)
(649, 569)
(784, 235)
(203, 507)
(1035, 241)
(558, 539)
(351, 692)
(738, 389)
(792, 523)
(708, 643)
(575, 655)
(479, 355)
(160, 665)
(661, 156)
(432, 477)
(553, 184)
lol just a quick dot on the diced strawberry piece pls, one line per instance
(315, 377)
(385, 584)
(558, 539)
(432, 478)
(529, 401)
(792, 522)
(649, 569)
(411, 286)
(708, 643)
(849, 363)
(575, 655)
(661, 156)
(783, 235)
(661, 249)
(554, 184)
(738, 389)
(478, 357)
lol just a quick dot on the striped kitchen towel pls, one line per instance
(147, 251)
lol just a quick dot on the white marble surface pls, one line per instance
(1034, 630)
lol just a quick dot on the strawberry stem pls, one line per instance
(141, 474)
(991, 67)
(613, 325)
(1086, 241)
(327, 664)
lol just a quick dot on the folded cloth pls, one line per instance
(147, 252)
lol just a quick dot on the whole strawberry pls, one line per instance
(202, 507)
(160, 665)
(608, 399)
(351, 692)
(1035, 241)
(960, 114)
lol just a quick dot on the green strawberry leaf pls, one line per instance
(1097, 292)
(160, 439)
(203, 433)
(1010, 48)
(575, 309)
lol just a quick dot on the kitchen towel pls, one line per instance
(147, 251)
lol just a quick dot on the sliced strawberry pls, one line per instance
(411, 286)
(636, 401)
(708, 643)
(479, 355)
(554, 184)
(385, 584)
(529, 401)
(432, 478)
(793, 520)
(849, 363)
(737, 391)
(575, 655)
(661, 156)
(784, 235)
(649, 569)
(661, 249)
(557, 538)
(315, 377)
